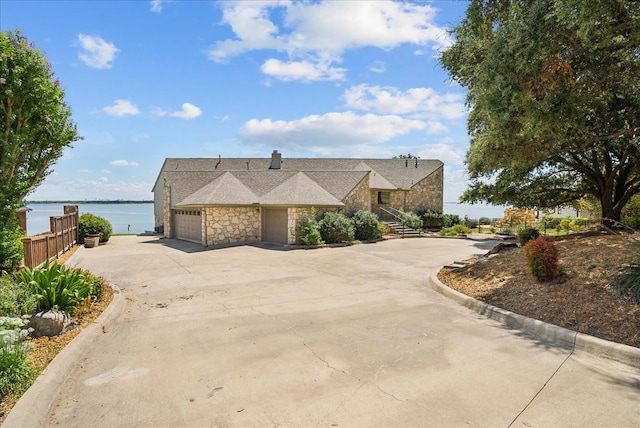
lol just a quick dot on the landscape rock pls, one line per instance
(50, 323)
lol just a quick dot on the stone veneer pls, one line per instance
(359, 198)
(230, 225)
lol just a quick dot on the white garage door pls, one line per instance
(187, 225)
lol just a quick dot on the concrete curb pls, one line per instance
(34, 405)
(578, 342)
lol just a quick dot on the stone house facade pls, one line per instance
(228, 201)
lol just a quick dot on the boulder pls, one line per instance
(50, 323)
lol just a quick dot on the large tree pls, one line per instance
(554, 99)
(35, 121)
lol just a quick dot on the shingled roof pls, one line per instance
(299, 181)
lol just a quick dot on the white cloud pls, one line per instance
(123, 162)
(188, 112)
(378, 67)
(423, 101)
(106, 171)
(306, 70)
(320, 32)
(331, 129)
(156, 5)
(96, 52)
(103, 179)
(121, 108)
(448, 153)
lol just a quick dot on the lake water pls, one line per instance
(124, 218)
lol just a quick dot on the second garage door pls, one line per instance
(274, 225)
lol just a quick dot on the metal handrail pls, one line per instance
(389, 210)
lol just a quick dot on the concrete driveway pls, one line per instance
(334, 337)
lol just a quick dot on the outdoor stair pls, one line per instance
(405, 232)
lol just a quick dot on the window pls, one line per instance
(384, 197)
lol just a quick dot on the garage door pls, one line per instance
(274, 225)
(187, 225)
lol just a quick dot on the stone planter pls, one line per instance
(92, 240)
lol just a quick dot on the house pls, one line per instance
(219, 201)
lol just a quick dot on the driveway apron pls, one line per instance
(350, 337)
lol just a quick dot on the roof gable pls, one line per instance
(224, 190)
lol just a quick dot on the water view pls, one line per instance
(133, 218)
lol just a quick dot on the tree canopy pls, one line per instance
(35, 121)
(554, 100)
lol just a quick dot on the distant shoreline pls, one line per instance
(87, 202)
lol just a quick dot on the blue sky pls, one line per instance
(148, 80)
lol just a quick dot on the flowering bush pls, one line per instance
(542, 258)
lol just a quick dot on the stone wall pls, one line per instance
(230, 225)
(427, 194)
(359, 198)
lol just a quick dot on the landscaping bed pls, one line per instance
(585, 300)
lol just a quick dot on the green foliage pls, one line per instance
(627, 282)
(35, 121)
(335, 227)
(552, 88)
(92, 224)
(56, 286)
(631, 213)
(10, 247)
(450, 220)
(527, 234)
(365, 226)
(15, 299)
(461, 228)
(16, 372)
(308, 231)
(484, 220)
(411, 220)
(549, 222)
(431, 219)
(471, 222)
(542, 258)
(448, 231)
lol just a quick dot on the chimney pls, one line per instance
(276, 160)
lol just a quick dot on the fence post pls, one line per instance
(27, 252)
(73, 209)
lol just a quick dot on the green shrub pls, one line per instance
(335, 227)
(410, 220)
(628, 282)
(450, 220)
(365, 226)
(542, 258)
(471, 222)
(10, 247)
(448, 231)
(485, 220)
(92, 224)
(431, 219)
(308, 231)
(15, 299)
(56, 286)
(549, 222)
(16, 372)
(461, 228)
(527, 234)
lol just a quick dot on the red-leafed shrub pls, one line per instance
(542, 258)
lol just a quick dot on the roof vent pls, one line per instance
(276, 160)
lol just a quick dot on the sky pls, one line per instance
(147, 80)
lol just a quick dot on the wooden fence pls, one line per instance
(50, 245)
